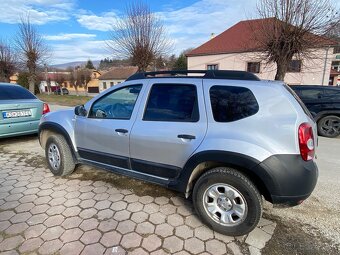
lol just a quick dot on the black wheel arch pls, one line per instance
(323, 114)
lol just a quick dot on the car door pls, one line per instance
(170, 126)
(103, 136)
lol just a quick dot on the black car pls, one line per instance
(324, 104)
(58, 91)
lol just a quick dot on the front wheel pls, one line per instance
(329, 126)
(59, 156)
(227, 201)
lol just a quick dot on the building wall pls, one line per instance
(109, 84)
(311, 72)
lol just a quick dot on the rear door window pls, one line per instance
(231, 103)
(8, 92)
(309, 94)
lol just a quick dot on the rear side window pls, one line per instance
(332, 94)
(232, 103)
(172, 102)
(308, 94)
(8, 92)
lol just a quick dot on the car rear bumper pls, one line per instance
(19, 128)
(292, 179)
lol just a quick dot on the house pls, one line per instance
(115, 76)
(236, 49)
(92, 86)
(14, 78)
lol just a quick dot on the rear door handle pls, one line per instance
(189, 137)
(122, 131)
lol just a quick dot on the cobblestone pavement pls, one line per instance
(43, 214)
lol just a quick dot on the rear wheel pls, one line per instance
(329, 126)
(59, 155)
(227, 201)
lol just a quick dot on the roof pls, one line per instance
(119, 73)
(240, 38)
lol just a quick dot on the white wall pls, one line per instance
(101, 84)
(311, 71)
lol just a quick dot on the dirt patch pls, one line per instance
(289, 238)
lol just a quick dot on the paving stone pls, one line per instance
(45, 192)
(175, 220)
(177, 201)
(105, 214)
(37, 219)
(57, 201)
(56, 210)
(115, 197)
(131, 198)
(258, 238)
(193, 221)
(131, 240)
(30, 245)
(101, 205)
(194, 245)
(139, 217)
(9, 205)
(184, 232)
(107, 225)
(122, 215)
(39, 209)
(159, 252)
(164, 230)
(157, 218)
(24, 207)
(16, 228)
(42, 200)
(71, 235)
(145, 228)
(72, 211)
(118, 206)
(50, 247)
(151, 243)
(167, 209)
(138, 251)
(28, 199)
(88, 213)
(6, 215)
(151, 208)
(52, 233)
(234, 248)
(135, 207)
(126, 226)
(4, 225)
(54, 220)
(204, 233)
(264, 222)
(91, 237)
(14, 197)
(34, 231)
(73, 194)
(88, 203)
(93, 249)
(224, 238)
(215, 247)
(71, 222)
(111, 239)
(254, 251)
(72, 202)
(184, 210)
(173, 244)
(20, 217)
(72, 248)
(269, 229)
(59, 193)
(89, 224)
(146, 200)
(11, 243)
(161, 200)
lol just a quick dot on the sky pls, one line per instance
(76, 30)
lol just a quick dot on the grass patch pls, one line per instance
(67, 100)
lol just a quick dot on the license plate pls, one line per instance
(16, 114)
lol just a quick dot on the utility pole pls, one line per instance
(324, 67)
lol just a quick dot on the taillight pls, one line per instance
(46, 108)
(306, 141)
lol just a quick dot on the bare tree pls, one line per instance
(31, 48)
(7, 61)
(292, 29)
(139, 35)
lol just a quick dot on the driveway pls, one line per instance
(95, 212)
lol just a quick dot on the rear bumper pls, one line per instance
(20, 128)
(291, 179)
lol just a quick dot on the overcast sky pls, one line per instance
(77, 29)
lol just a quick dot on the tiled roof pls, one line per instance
(241, 38)
(119, 73)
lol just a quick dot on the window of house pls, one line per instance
(104, 85)
(118, 104)
(172, 102)
(294, 66)
(253, 67)
(232, 103)
(336, 50)
(111, 84)
(212, 67)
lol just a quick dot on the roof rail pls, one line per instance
(208, 74)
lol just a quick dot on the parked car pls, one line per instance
(20, 111)
(324, 104)
(225, 139)
(58, 91)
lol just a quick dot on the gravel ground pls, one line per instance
(320, 213)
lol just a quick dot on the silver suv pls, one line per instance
(224, 138)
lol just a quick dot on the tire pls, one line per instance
(329, 126)
(227, 181)
(57, 148)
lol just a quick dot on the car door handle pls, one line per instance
(122, 131)
(189, 137)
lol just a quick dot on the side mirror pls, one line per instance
(80, 110)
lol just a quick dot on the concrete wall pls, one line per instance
(311, 71)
